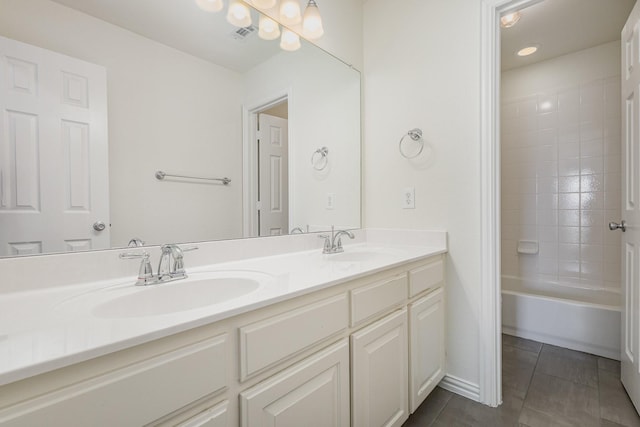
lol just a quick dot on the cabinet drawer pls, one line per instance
(428, 276)
(367, 301)
(131, 396)
(313, 392)
(267, 342)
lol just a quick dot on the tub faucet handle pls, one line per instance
(615, 226)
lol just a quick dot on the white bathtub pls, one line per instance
(580, 319)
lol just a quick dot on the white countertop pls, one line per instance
(49, 328)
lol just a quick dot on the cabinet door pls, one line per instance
(313, 393)
(379, 373)
(427, 347)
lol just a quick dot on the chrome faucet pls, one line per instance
(333, 243)
(167, 270)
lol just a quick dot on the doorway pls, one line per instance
(493, 201)
(266, 168)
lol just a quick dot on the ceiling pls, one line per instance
(560, 27)
(181, 24)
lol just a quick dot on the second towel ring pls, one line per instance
(320, 158)
(415, 136)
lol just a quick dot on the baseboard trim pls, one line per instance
(462, 387)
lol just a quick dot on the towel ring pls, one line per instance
(320, 158)
(414, 135)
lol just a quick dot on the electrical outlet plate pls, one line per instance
(409, 198)
(331, 201)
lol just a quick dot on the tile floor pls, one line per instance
(542, 385)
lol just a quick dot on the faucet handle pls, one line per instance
(327, 242)
(145, 273)
(134, 255)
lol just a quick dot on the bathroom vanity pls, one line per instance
(355, 338)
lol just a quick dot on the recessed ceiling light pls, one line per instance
(526, 51)
(510, 19)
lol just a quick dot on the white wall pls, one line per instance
(561, 168)
(422, 68)
(167, 110)
(324, 110)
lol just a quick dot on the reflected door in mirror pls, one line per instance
(273, 175)
(53, 152)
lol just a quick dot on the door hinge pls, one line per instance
(259, 205)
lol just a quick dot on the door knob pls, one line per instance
(615, 226)
(99, 226)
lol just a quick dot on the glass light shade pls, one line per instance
(239, 14)
(268, 28)
(289, 41)
(312, 21)
(509, 20)
(264, 4)
(210, 5)
(290, 12)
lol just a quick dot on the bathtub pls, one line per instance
(580, 319)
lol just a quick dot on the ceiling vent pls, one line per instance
(242, 34)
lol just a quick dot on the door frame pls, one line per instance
(490, 328)
(250, 177)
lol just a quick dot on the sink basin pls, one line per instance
(364, 255)
(197, 291)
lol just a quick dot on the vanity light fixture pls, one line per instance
(239, 14)
(510, 19)
(526, 51)
(312, 21)
(289, 41)
(290, 12)
(268, 29)
(210, 5)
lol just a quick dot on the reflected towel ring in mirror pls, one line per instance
(320, 158)
(411, 147)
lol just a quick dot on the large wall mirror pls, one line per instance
(157, 121)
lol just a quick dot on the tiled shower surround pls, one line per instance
(561, 163)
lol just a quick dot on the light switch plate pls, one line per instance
(409, 198)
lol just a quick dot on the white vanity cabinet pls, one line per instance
(364, 352)
(427, 349)
(379, 372)
(313, 393)
(132, 395)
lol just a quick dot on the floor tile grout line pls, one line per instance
(566, 379)
(526, 394)
(599, 403)
(440, 411)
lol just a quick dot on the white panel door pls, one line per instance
(630, 373)
(379, 373)
(313, 393)
(427, 346)
(274, 175)
(53, 152)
